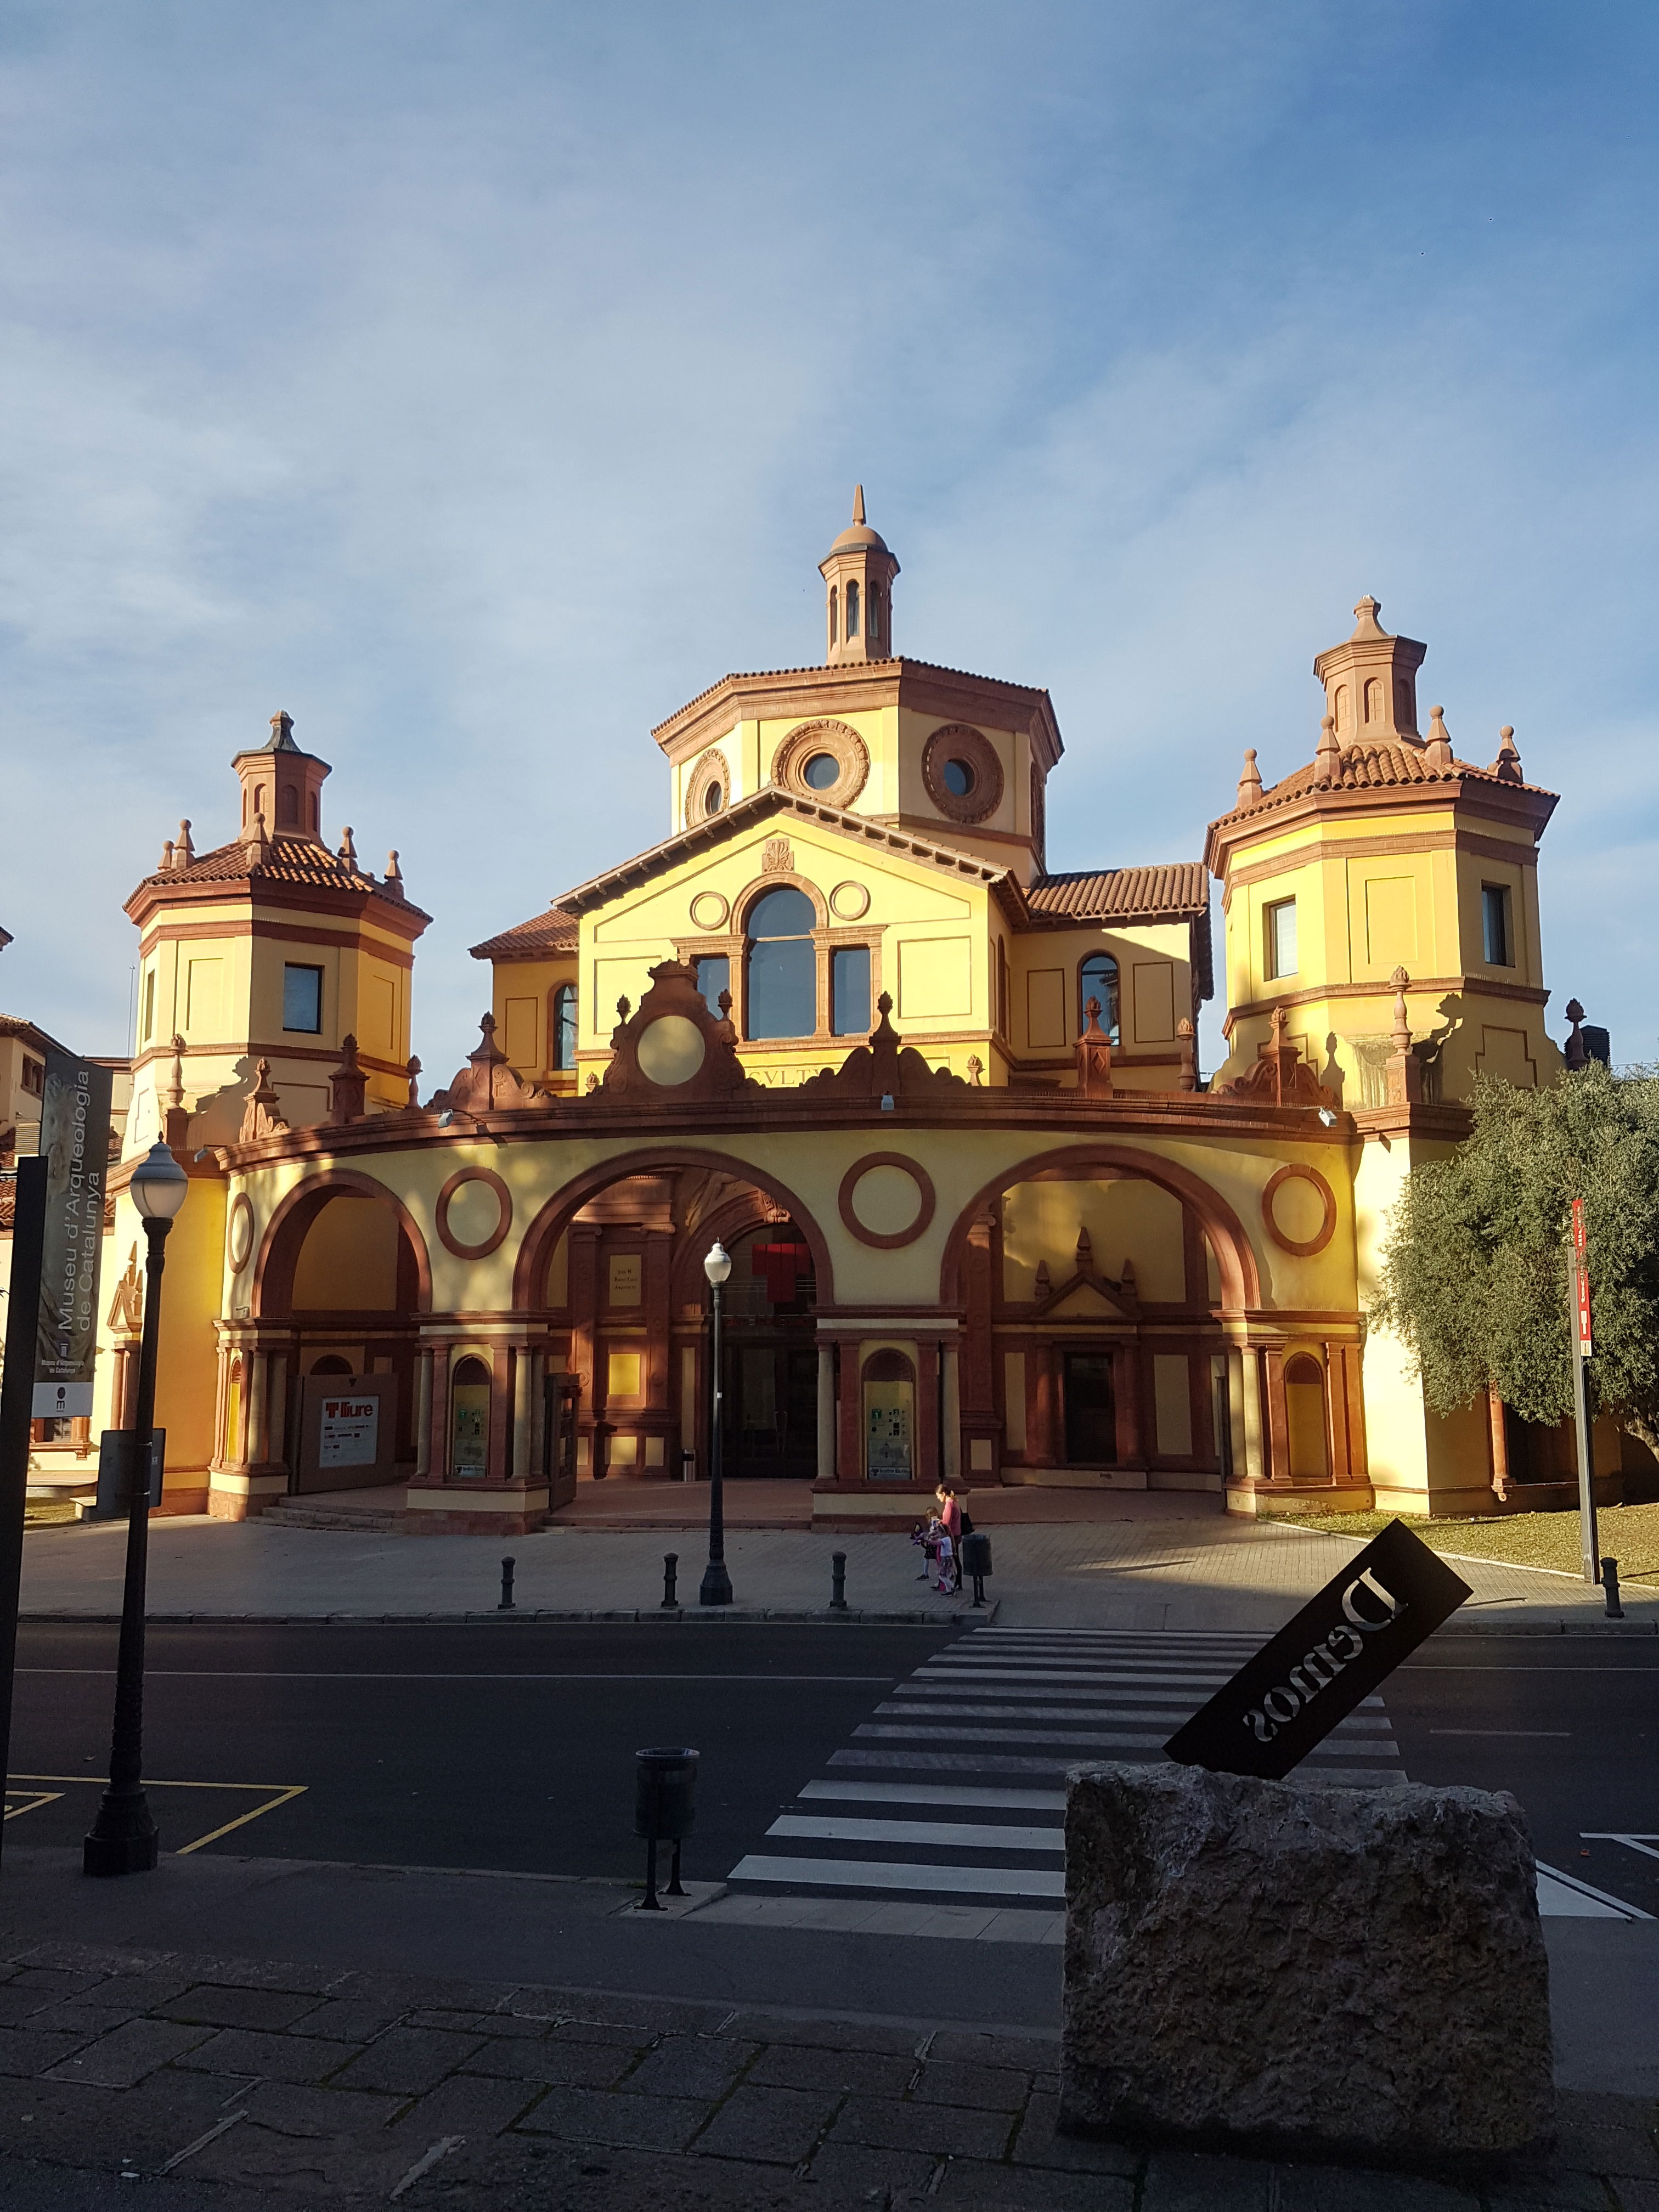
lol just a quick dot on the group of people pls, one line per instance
(940, 1538)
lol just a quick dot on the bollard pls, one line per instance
(837, 1581)
(1610, 1589)
(688, 1467)
(505, 1605)
(664, 1811)
(671, 1562)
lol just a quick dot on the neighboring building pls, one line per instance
(942, 1106)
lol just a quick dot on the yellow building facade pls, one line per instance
(941, 1104)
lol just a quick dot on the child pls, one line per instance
(947, 1560)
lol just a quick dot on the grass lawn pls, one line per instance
(47, 1512)
(1629, 1533)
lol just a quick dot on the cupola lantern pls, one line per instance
(857, 578)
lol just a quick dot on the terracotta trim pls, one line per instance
(343, 940)
(1294, 1171)
(1469, 986)
(270, 1295)
(849, 1183)
(712, 771)
(824, 735)
(402, 917)
(1241, 1278)
(236, 1049)
(1365, 849)
(1525, 805)
(986, 794)
(458, 1181)
(239, 1231)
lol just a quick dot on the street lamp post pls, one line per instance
(716, 1583)
(123, 1839)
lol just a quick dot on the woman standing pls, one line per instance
(949, 1516)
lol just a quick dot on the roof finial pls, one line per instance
(1365, 623)
(182, 851)
(282, 733)
(1438, 751)
(1507, 767)
(1328, 758)
(348, 851)
(1249, 784)
(858, 505)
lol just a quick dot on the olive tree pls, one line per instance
(1474, 1275)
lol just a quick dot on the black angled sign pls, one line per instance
(1343, 1644)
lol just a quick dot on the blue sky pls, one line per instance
(478, 383)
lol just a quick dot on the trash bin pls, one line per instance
(665, 1781)
(977, 1553)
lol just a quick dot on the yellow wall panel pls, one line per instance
(350, 1258)
(1045, 1008)
(1390, 920)
(935, 977)
(1154, 982)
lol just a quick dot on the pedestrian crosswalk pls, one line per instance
(954, 1788)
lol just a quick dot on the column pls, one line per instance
(826, 1411)
(519, 1470)
(423, 1416)
(1251, 1376)
(498, 1466)
(950, 1410)
(1278, 1418)
(850, 1450)
(926, 1467)
(254, 1368)
(220, 1405)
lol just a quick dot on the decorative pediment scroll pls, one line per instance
(671, 1046)
(1281, 1077)
(487, 1085)
(886, 1067)
(1094, 1056)
(348, 1086)
(263, 1114)
(1123, 1294)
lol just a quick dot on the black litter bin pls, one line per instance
(976, 1561)
(665, 1809)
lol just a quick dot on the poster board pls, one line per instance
(348, 1432)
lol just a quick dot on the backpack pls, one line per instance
(967, 1524)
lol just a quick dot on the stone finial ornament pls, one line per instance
(263, 1114)
(394, 876)
(1365, 618)
(348, 847)
(1329, 758)
(413, 1071)
(1249, 784)
(167, 856)
(1574, 1052)
(348, 1086)
(257, 841)
(182, 851)
(1188, 1043)
(975, 1071)
(1438, 751)
(487, 1085)
(1405, 1069)
(1507, 767)
(1094, 1056)
(281, 732)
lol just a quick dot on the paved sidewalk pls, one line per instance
(1145, 1574)
(218, 2084)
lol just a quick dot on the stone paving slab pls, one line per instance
(502, 2097)
(1143, 1574)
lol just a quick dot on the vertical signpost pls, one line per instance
(1583, 1346)
(51, 1315)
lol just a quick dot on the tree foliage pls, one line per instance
(1474, 1275)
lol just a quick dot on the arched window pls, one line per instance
(834, 608)
(288, 807)
(873, 614)
(1098, 979)
(852, 611)
(781, 999)
(316, 817)
(1373, 701)
(469, 1420)
(563, 1027)
(332, 1362)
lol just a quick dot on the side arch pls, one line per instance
(1236, 1259)
(272, 1290)
(543, 1231)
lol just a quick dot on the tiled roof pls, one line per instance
(1374, 768)
(301, 861)
(555, 931)
(848, 668)
(1176, 892)
(18, 1025)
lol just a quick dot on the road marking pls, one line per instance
(28, 1801)
(1564, 1896)
(279, 1793)
(962, 1835)
(441, 2148)
(923, 1793)
(360, 1674)
(1166, 1716)
(905, 1873)
(1642, 1840)
(1526, 1732)
(221, 2127)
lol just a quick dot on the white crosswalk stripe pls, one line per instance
(952, 1744)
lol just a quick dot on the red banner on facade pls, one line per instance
(1580, 1279)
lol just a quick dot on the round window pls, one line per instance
(712, 798)
(958, 777)
(821, 771)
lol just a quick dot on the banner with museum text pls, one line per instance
(75, 1145)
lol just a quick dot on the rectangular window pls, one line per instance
(302, 998)
(849, 991)
(148, 1030)
(1281, 938)
(1495, 925)
(34, 1077)
(713, 977)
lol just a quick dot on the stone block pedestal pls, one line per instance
(1305, 1970)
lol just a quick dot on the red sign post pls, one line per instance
(1578, 1309)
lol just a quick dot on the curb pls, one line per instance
(681, 1615)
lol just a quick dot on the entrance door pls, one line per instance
(770, 1357)
(1090, 1414)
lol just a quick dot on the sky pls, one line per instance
(477, 384)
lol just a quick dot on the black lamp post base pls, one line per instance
(716, 1585)
(127, 1843)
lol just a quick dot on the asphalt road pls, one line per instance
(511, 1745)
